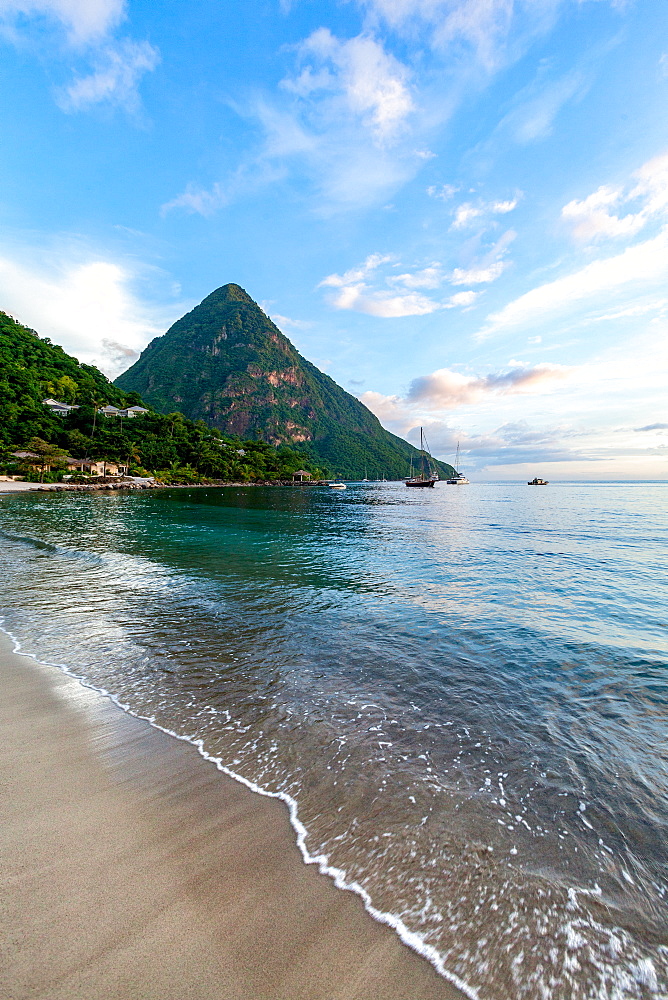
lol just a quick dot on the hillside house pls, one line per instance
(133, 411)
(60, 409)
(128, 411)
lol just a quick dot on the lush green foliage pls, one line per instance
(226, 363)
(178, 449)
(33, 369)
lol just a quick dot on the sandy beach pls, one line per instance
(132, 868)
(17, 486)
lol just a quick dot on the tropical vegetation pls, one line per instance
(169, 446)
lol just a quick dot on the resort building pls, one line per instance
(62, 409)
(128, 411)
(74, 466)
(88, 467)
(133, 411)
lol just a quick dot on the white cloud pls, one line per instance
(197, 199)
(593, 217)
(468, 211)
(292, 324)
(445, 192)
(383, 304)
(427, 277)
(447, 389)
(478, 275)
(118, 65)
(465, 213)
(481, 25)
(356, 274)
(462, 299)
(658, 306)
(642, 264)
(360, 77)
(85, 21)
(501, 207)
(118, 71)
(652, 186)
(354, 291)
(88, 308)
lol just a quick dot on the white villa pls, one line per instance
(62, 409)
(129, 411)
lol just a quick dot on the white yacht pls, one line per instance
(459, 479)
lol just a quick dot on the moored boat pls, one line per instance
(459, 479)
(337, 486)
(426, 477)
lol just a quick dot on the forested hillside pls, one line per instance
(33, 369)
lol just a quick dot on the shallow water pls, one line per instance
(464, 692)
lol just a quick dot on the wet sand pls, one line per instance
(131, 867)
(17, 486)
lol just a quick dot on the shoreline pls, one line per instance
(131, 868)
(22, 486)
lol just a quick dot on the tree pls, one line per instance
(45, 456)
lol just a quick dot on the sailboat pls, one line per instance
(459, 479)
(426, 477)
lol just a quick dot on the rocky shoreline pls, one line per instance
(98, 487)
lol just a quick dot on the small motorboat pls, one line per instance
(337, 486)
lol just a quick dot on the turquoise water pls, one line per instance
(462, 694)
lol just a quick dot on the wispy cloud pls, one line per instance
(426, 277)
(354, 118)
(114, 66)
(444, 192)
(115, 79)
(289, 323)
(356, 76)
(383, 304)
(642, 264)
(85, 21)
(383, 298)
(595, 217)
(478, 275)
(480, 28)
(469, 211)
(198, 200)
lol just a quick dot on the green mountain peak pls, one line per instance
(228, 364)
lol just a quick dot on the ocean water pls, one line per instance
(462, 694)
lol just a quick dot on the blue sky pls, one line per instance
(457, 208)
